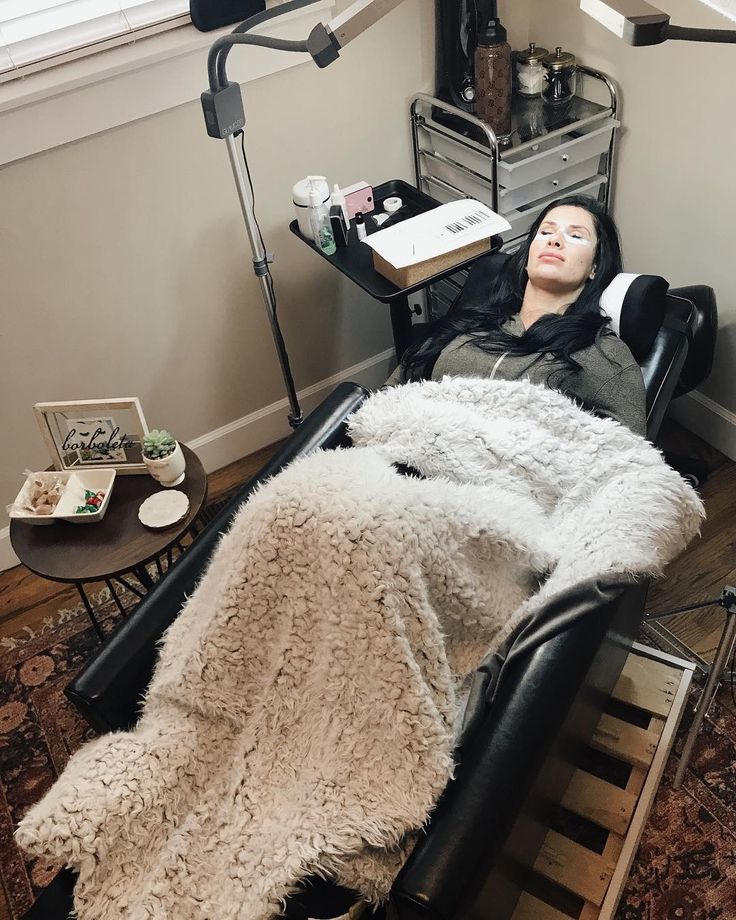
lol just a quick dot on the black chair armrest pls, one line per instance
(703, 334)
(109, 689)
(664, 364)
(56, 901)
(511, 764)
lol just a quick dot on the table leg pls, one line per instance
(401, 324)
(132, 588)
(714, 679)
(143, 577)
(90, 612)
(114, 595)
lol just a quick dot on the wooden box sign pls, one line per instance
(94, 434)
(435, 241)
(410, 275)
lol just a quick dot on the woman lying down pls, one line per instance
(301, 719)
(543, 321)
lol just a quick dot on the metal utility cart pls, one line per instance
(553, 151)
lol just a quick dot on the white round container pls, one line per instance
(300, 197)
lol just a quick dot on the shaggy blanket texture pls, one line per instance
(301, 717)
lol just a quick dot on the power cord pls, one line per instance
(269, 279)
(294, 420)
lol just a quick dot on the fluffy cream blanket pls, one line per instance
(301, 716)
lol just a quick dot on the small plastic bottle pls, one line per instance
(319, 219)
(360, 227)
(337, 198)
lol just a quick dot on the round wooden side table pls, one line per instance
(117, 546)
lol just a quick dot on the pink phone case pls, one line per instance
(359, 201)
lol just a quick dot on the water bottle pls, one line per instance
(319, 220)
(493, 79)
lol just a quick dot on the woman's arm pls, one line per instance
(623, 398)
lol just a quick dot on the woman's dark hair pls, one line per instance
(558, 335)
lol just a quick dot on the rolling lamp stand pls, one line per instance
(224, 117)
(727, 600)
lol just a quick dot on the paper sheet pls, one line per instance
(436, 232)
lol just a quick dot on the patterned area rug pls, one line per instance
(39, 730)
(685, 868)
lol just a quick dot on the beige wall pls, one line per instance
(675, 195)
(125, 267)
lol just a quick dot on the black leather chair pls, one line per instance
(538, 698)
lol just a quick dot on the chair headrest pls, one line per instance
(636, 305)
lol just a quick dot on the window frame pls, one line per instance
(110, 88)
(96, 47)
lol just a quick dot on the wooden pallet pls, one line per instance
(584, 881)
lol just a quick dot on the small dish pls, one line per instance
(164, 509)
(75, 484)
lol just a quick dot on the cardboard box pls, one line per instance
(410, 275)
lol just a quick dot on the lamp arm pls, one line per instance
(638, 23)
(217, 57)
(700, 35)
(326, 41)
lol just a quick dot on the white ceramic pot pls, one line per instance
(169, 471)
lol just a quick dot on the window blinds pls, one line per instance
(34, 30)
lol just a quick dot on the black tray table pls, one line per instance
(356, 260)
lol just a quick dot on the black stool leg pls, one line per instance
(114, 595)
(688, 467)
(401, 324)
(143, 577)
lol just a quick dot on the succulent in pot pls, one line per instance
(164, 457)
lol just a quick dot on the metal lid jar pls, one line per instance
(560, 76)
(529, 70)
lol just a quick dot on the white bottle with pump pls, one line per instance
(300, 196)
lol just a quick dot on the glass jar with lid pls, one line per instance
(529, 70)
(560, 76)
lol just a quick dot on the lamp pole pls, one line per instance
(222, 105)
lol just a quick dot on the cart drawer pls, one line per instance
(466, 181)
(522, 220)
(509, 199)
(516, 171)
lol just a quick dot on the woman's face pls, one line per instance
(562, 254)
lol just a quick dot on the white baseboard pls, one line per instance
(709, 420)
(264, 426)
(259, 429)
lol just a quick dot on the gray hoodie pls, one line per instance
(610, 381)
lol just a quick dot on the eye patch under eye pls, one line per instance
(567, 234)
